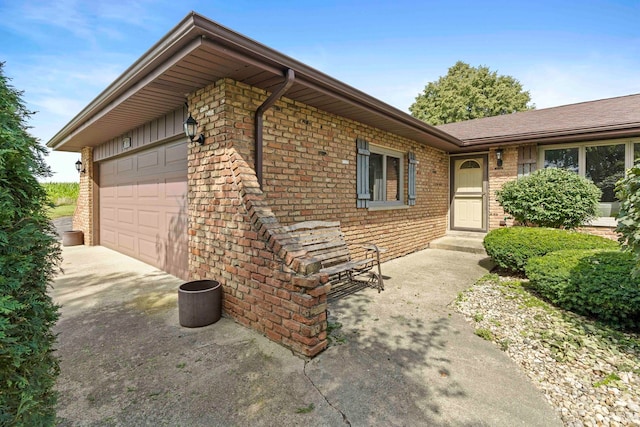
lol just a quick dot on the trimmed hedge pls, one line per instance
(550, 197)
(512, 247)
(597, 283)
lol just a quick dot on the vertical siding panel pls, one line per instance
(163, 127)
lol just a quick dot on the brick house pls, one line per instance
(277, 143)
(597, 139)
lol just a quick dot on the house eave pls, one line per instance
(185, 60)
(553, 137)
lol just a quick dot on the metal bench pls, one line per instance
(323, 242)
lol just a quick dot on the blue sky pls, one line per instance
(63, 53)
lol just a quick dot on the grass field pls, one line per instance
(63, 195)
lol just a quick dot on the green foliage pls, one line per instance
(306, 409)
(62, 193)
(512, 247)
(484, 333)
(29, 257)
(551, 197)
(628, 192)
(467, 93)
(595, 283)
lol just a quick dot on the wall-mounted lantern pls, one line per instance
(79, 167)
(191, 128)
(499, 152)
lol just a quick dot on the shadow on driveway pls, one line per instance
(401, 357)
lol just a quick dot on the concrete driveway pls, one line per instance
(401, 357)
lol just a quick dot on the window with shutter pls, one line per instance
(379, 176)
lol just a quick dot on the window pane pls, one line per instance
(605, 166)
(393, 178)
(376, 179)
(636, 152)
(564, 158)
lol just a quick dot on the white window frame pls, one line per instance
(377, 204)
(582, 163)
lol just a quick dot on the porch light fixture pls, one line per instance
(79, 167)
(191, 128)
(499, 157)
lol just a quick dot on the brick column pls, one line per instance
(497, 178)
(83, 217)
(233, 231)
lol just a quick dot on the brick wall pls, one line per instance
(83, 217)
(309, 174)
(497, 178)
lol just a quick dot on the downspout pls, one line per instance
(289, 79)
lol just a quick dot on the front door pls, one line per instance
(469, 194)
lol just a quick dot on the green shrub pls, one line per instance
(551, 197)
(512, 247)
(595, 283)
(62, 193)
(628, 192)
(29, 256)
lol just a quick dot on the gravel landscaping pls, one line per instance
(588, 372)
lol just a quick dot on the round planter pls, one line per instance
(199, 303)
(72, 238)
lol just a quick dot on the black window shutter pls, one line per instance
(412, 179)
(362, 174)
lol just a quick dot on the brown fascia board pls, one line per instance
(318, 80)
(197, 26)
(555, 137)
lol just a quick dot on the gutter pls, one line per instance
(259, 121)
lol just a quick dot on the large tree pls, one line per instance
(467, 93)
(29, 257)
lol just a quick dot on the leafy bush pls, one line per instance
(551, 197)
(593, 283)
(29, 256)
(62, 193)
(628, 192)
(512, 247)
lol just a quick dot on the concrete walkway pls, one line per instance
(401, 357)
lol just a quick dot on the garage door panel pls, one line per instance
(175, 188)
(124, 191)
(175, 155)
(148, 189)
(149, 219)
(107, 192)
(107, 214)
(151, 251)
(143, 199)
(176, 222)
(126, 216)
(108, 237)
(149, 160)
(127, 241)
(124, 165)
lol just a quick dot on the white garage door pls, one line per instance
(143, 206)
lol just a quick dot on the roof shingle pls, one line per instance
(581, 120)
